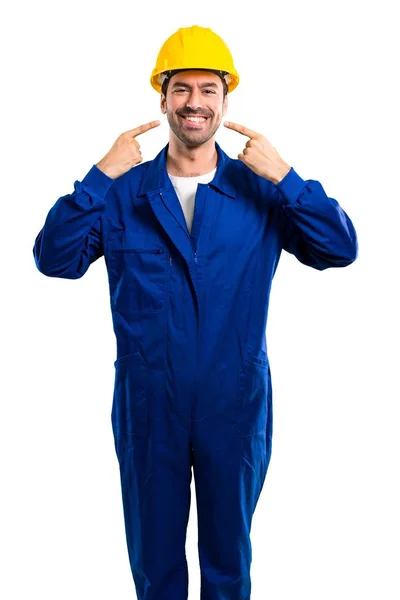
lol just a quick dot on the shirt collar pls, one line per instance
(155, 177)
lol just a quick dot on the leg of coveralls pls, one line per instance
(156, 476)
(229, 473)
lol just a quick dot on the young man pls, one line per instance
(191, 241)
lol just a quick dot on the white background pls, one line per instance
(318, 79)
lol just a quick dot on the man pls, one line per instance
(191, 242)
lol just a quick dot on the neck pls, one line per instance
(185, 161)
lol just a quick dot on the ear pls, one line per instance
(225, 106)
(163, 104)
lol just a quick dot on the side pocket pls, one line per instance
(129, 410)
(253, 400)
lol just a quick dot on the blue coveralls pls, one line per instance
(192, 375)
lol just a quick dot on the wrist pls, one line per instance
(280, 174)
(106, 169)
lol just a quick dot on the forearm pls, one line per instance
(70, 238)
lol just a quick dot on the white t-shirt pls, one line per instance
(186, 188)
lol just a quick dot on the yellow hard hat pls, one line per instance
(194, 48)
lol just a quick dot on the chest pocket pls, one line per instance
(137, 273)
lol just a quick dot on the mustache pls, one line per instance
(193, 113)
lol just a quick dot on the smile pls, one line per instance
(194, 122)
(195, 119)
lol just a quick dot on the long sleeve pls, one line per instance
(70, 239)
(313, 226)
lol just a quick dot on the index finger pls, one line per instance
(242, 129)
(144, 128)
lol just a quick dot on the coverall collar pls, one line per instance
(156, 176)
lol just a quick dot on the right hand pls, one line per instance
(125, 152)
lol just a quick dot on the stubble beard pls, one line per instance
(193, 139)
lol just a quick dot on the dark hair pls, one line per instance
(220, 74)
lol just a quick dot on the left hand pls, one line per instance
(260, 156)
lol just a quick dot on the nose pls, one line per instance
(194, 100)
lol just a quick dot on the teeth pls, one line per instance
(196, 119)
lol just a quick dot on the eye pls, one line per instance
(179, 90)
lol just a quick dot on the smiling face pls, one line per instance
(194, 105)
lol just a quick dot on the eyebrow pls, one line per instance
(202, 85)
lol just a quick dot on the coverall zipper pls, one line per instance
(195, 260)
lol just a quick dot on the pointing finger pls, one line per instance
(242, 129)
(143, 128)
